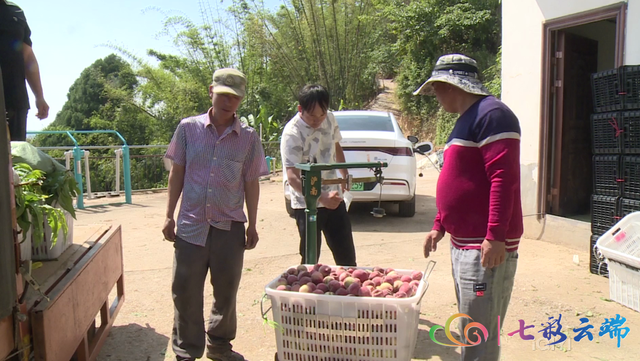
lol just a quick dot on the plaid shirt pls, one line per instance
(216, 170)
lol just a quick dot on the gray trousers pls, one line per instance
(222, 256)
(483, 306)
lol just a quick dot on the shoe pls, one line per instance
(228, 355)
(180, 358)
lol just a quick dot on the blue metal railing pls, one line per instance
(78, 153)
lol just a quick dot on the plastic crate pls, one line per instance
(624, 285)
(631, 86)
(44, 252)
(621, 243)
(604, 213)
(607, 91)
(606, 134)
(597, 264)
(631, 176)
(607, 178)
(631, 133)
(321, 327)
(628, 206)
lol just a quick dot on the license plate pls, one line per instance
(357, 186)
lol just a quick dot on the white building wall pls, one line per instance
(522, 26)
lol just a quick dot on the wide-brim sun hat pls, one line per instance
(458, 70)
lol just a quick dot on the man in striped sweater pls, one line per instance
(478, 198)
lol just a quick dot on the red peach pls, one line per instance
(301, 268)
(392, 278)
(312, 286)
(362, 275)
(342, 292)
(292, 279)
(295, 288)
(406, 278)
(319, 292)
(368, 283)
(406, 288)
(396, 285)
(350, 280)
(374, 274)
(416, 275)
(334, 286)
(365, 291)
(316, 277)
(325, 270)
(400, 295)
(385, 286)
(354, 289)
(323, 287)
(305, 280)
(377, 281)
(282, 281)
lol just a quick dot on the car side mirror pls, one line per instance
(424, 148)
(413, 139)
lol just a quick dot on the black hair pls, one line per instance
(313, 94)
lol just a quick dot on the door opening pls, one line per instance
(575, 48)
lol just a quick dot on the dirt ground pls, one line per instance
(548, 282)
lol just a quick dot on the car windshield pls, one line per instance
(379, 123)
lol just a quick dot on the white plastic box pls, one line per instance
(620, 245)
(624, 285)
(44, 252)
(313, 327)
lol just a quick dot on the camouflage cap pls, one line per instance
(229, 81)
(455, 69)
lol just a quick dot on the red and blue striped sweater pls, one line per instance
(478, 192)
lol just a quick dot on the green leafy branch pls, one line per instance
(31, 206)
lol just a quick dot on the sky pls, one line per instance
(69, 35)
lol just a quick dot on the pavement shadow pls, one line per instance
(422, 221)
(134, 342)
(104, 208)
(426, 349)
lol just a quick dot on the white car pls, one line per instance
(374, 136)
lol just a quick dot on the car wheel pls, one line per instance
(287, 204)
(408, 208)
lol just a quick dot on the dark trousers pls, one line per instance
(17, 120)
(336, 226)
(222, 256)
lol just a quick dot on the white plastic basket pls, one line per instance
(44, 251)
(621, 243)
(313, 327)
(624, 285)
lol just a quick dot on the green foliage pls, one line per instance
(428, 29)
(342, 44)
(444, 125)
(266, 124)
(31, 208)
